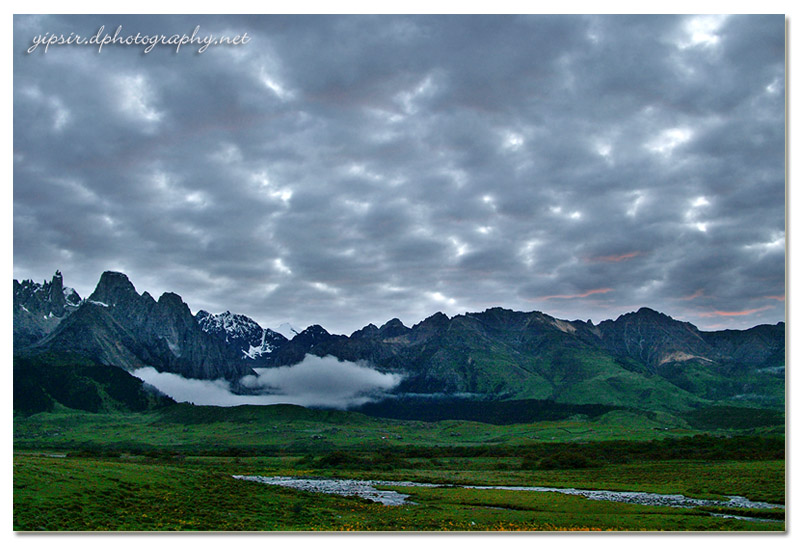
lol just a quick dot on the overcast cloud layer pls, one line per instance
(347, 170)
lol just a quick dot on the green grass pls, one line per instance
(139, 494)
(718, 417)
(295, 428)
(47, 381)
(170, 469)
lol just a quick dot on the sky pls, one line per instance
(346, 170)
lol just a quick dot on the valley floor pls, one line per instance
(138, 493)
(172, 470)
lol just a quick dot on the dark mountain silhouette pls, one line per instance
(39, 308)
(117, 326)
(644, 359)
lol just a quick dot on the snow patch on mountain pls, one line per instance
(233, 326)
(241, 333)
(287, 330)
(71, 296)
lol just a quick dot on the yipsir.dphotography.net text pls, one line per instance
(102, 39)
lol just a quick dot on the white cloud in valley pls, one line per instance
(315, 382)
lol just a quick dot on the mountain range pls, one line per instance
(644, 359)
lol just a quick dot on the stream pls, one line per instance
(369, 490)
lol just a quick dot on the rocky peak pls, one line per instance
(314, 331)
(645, 315)
(311, 336)
(240, 333)
(501, 318)
(435, 321)
(113, 288)
(231, 326)
(431, 326)
(367, 332)
(56, 295)
(651, 337)
(172, 309)
(171, 300)
(393, 328)
(648, 313)
(38, 308)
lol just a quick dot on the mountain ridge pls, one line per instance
(643, 358)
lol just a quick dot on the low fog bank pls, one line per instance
(318, 382)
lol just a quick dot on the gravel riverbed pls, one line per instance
(369, 490)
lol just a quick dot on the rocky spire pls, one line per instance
(56, 295)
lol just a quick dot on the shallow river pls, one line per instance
(368, 490)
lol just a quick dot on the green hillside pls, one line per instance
(48, 381)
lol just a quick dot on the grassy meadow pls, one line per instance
(171, 469)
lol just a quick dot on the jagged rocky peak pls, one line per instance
(49, 297)
(230, 326)
(307, 339)
(241, 333)
(311, 335)
(647, 317)
(502, 318)
(367, 332)
(171, 299)
(494, 310)
(645, 313)
(113, 288)
(235, 325)
(437, 320)
(650, 313)
(436, 324)
(314, 331)
(171, 307)
(393, 328)
(57, 292)
(71, 297)
(39, 308)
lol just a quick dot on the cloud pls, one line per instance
(745, 312)
(695, 295)
(613, 258)
(324, 382)
(200, 392)
(338, 169)
(574, 295)
(314, 382)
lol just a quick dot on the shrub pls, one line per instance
(338, 459)
(566, 460)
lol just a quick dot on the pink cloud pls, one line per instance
(695, 295)
(573, 296)
(613, 258)
(776, 297)
(713, 327)
(734, 312)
